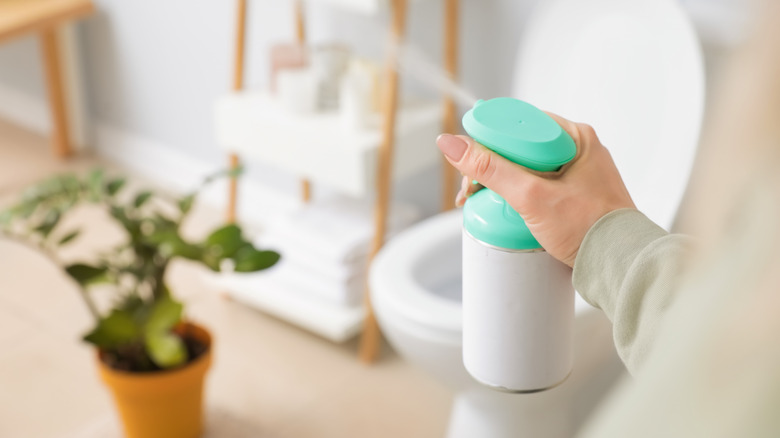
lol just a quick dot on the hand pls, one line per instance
(558, 207)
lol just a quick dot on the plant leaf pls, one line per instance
(68, 237)
(114, 186)
(70, 184)
(233, 172)
(225, 241)
(130, 304)
(24, 210)
(172, 245)
(185, 203)
(133, 227)
(5, 217)
(49, 222)
(187, 250)
(141, 198)
(254, 260)
(116, 329)
(85, 274)
(165, 314)
(165, 349)
(95, 184)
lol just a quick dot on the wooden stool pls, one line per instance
(44, 17)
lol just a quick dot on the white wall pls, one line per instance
(153, 68)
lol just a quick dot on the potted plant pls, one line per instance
(151, 357)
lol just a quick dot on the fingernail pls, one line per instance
(453, 147)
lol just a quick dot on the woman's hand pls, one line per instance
(558, 207)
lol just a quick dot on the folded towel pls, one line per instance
(305, 259)
(349, 293)
(286, 276)
(332, 236)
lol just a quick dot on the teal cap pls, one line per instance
(525, 135)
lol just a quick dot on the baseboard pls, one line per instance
(27, 111)
(179, 172)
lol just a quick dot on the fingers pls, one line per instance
(567, 125)
(479, 163)
(584, 137)
(467, 188)
(472, 186)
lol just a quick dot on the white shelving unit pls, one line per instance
(318, 147)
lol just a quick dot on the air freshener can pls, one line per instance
(518, 301)
(518, 315)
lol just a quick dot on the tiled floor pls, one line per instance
(269, 379)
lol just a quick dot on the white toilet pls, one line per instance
(633, 70)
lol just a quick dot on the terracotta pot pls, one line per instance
(162, 404)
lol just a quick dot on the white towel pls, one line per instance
(307, 261)
(286, 276)
(348, 293)
(332, 237)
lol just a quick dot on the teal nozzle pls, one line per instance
(521, 133)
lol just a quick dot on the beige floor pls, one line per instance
(269, 379)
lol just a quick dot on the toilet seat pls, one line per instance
(632, 69)
(396, 291)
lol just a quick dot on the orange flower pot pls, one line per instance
(162, 404)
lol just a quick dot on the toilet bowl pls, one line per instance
(631, 68)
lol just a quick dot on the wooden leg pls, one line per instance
(450, 122)
(232, 191)
(300, 36)
(240, 43)
(73, 87)
(238, 84)
(372, 337)
(50, 47)
(305, 190)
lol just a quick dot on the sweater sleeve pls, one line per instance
(629, 267)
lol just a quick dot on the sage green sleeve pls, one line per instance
(629, 267)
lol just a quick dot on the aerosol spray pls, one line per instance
(518, 301)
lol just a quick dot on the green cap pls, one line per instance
(525, 135)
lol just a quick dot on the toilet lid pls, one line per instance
(633, 70)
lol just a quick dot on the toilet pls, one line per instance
(634, 71)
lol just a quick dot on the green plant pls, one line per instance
(139, 331)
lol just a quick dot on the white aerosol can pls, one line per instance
(518, 301)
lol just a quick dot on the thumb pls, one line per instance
(480, 163)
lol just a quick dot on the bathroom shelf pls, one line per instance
(251, 124)
(318, 147)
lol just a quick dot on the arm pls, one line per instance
(628, 267)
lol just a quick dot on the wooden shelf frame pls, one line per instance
(371, 337)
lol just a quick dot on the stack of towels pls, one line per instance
(325, 249)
